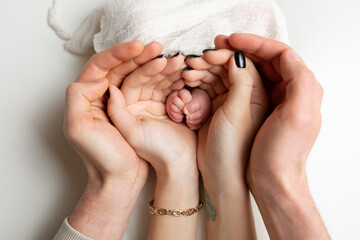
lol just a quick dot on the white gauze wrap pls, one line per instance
(188, 26)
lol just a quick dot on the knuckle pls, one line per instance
(71, 130)
(306, 74)
(72, 88)
(304, 120)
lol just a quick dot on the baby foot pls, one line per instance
(196, 105)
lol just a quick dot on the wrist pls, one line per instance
(177, 168)
(225, 171)
(274, 179)
(105, 207)
(289, 210)
(177, 191)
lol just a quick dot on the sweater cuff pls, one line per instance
(66, 232)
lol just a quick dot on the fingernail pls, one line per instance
(240, 59)
(160, 56)
(186, 111)
(186, 69)
(107, 94)
(175, 55)
(208, 50)
(293, 56)
(191, 56)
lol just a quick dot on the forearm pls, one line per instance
(289, 211)
(104, 209)
(228, 208)
(175, 193)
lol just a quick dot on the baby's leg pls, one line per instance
(195, 104)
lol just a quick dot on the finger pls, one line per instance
(260, 47)
(223, 74)
(265, 53)
(198, 63)
(117, 75)
(134, 83)
(218, 57)
(123, 120)
(206, 77)
(101, 63)
(171, 70)
(173, 64)
(239, 96)
(222, 41)
(163, 88)
(80, 95)
(177, 85)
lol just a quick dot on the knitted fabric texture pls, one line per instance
(188, 26)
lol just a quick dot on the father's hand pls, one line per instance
(276, 173)
(116, 174)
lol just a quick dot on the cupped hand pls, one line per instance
(138, 111)
(106, 154)
(241, 104)
(284, 141)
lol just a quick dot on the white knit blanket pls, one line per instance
(188, 26)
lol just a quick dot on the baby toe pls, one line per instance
(185, 95)
(172, 107)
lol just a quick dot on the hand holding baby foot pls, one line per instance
(138, 111)
(276, 173)
(239, 107)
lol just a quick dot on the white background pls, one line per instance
(41, 177)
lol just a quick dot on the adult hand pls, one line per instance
(116, 173)
(276, 173)
(138, 111)
(224, 141)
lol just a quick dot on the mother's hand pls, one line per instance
(170, 147)
(138, 111)
(224, 142)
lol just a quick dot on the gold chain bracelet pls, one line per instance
(173, 212)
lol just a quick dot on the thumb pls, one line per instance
(241, 84)
(80, 95)
(121, 117)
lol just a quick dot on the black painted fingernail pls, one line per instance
(208, 50)
(240, 59)
(175, 55)
(186, 69)
(160, 56)
(107, 94)
(191, 56)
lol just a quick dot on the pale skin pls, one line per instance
(140, 115)
(100, 213)
(276, 173)
(224, 142)
(115, 172)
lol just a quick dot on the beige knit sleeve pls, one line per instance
(66, 232)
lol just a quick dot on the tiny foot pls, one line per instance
(198, 109)
(176, 102)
